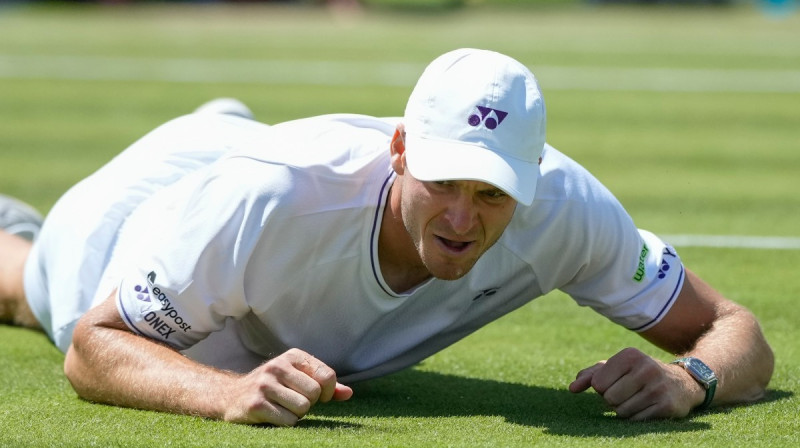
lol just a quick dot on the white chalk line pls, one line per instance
(352, 73)
(733, 241)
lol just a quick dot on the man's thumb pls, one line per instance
(342, 392)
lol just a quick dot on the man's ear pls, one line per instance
(397, 149)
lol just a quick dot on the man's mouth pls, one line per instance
(455, 246)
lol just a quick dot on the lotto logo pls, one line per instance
(491, 118)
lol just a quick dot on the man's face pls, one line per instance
(452, 223)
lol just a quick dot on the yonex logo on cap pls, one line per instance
(491, 118)
(483, 109)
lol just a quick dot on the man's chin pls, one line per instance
(451, 273)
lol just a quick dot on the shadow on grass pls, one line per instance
(415, 393)
(775, 395)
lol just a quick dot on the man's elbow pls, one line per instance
(71, 368)
(75, 365)
(768, 362)
(763, 365)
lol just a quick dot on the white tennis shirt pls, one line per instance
(275, 242)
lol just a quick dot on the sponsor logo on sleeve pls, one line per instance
(142, 293)
(668, 255)
(639, 275)
(166, 321)
(668, 252)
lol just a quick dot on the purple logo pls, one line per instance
(143, 293)
(491, 118)
(662, 272)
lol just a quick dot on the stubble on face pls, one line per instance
(445, 254)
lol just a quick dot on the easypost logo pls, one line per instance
(167, 321)
(491, 118)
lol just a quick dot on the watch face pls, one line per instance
(702, 372)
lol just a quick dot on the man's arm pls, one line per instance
(702, 324)
(107, 363)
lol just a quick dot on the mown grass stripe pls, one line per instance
(332, 73)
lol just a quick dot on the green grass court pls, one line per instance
(691, 115)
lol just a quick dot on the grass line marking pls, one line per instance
(337, 73)
(734, 241)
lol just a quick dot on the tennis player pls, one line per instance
(229, 269)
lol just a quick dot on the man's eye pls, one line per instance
(441, 183)
(495, 194)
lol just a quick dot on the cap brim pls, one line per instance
(435, 159)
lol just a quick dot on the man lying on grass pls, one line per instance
(225, 268)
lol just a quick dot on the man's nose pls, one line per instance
(461, 214)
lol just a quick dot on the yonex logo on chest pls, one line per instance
(486, 293)
(491, 118)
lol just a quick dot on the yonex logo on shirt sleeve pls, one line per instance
(140, 311)
(662, 271)
(167, 320)
(143, 293)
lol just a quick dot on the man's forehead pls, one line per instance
(473, 184)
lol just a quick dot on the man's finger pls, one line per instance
(584, 378)
(619, 366)
(272, 413)
(648, 413)
(286, 399)
(342, 392)
(581, 383)
(316, 370)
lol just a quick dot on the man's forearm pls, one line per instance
(736, 350)
(109, 364)
(114, 366)
(724, 335)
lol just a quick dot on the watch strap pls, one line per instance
(702, 374)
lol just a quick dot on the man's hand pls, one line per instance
(106, 363)
(703, 324)
(283, 390)
(639, 387)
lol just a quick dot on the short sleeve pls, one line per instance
(579, 239)
(185, 254)
(636, 286)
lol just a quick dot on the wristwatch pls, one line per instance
(703, 374)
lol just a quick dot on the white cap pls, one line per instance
(477, 115)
